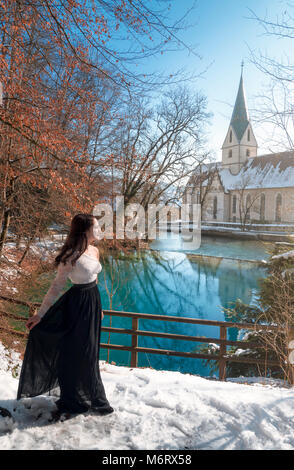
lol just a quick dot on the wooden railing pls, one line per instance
(222, 357)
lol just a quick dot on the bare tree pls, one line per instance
(201, 182)
(275, 105)
(247, 200)
(159, 147)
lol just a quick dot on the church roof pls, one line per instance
(202, 173)
(266, 171)
(240, 116)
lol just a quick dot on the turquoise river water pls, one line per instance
(169, 281)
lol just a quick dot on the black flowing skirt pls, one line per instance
(62, 352)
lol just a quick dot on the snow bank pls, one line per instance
(154, 410)
(43, 248)
(287, 255)
(9, 359)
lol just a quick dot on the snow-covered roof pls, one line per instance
(266, 171)
(202, 173)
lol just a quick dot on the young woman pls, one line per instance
(64, 338)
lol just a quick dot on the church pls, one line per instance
(244, 187)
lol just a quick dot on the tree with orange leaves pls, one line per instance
(63, 70)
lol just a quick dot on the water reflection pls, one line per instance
(217, 247)
(173, 283)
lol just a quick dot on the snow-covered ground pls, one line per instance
(153, 410)
(42, 248)
(287, 255)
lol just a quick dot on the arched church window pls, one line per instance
(247, 153)
(262, 207)
(278, 208)
(248, 135)
(215, 207)
(234, 208)
(230, 153)
(231, 136)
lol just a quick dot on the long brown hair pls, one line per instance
(76, 240)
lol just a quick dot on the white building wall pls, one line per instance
(287, 206)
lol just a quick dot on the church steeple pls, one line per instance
(240, 116)
(240, 142)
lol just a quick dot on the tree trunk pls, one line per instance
(25, 251)
(5, 227)
(18, 240)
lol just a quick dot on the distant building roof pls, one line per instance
(266, 171)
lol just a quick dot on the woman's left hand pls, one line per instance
(32, 321)
(102, 315)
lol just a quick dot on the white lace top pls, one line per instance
(85, 270)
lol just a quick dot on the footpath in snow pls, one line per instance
(154, 410)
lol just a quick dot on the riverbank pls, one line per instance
(14, 278)
(263, 232)
(235, 233)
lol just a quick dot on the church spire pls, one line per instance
(240, 116)
(242, 66)
(240, 142)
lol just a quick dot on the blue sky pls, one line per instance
(224, 34)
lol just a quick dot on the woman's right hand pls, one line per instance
(33, 321)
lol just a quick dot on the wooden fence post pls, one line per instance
(222, 350)
(134, 354)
